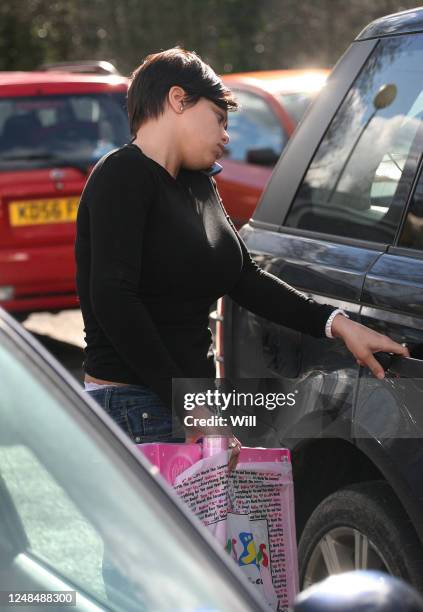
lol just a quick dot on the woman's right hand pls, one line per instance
(195, 432)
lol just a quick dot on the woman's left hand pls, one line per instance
(363, 342)
(194, 433)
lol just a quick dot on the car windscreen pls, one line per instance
(296, 104)
(61, 128)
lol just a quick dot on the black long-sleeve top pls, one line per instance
(153, 253)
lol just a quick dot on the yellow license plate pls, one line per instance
(45, 211)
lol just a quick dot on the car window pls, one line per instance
(253, 126)
(296, 103)
(352, 187)
(72, 127)
(412, 230)
(75, 502)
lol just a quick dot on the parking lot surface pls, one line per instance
(63, 335)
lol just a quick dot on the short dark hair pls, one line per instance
(151, 81)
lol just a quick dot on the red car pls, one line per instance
(54, 126)
(272, 103)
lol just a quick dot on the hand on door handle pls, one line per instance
(404, 367)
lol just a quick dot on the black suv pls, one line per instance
(342, 220)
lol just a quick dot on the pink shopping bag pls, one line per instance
(249, 511)
(171, 459)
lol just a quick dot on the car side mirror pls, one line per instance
(262, 157)
(385, 96)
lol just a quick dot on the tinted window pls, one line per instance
(253, 126)
(412, 232)
(70, 127)
(352, 185)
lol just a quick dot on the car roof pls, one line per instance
(280, 81)
(41, 77)
(404, 22)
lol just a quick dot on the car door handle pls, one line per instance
(405, 367)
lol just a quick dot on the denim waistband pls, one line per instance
(90, 386)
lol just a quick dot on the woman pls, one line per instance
(155, 249)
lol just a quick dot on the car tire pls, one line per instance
(362, 526)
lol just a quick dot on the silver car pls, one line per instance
(75, 493)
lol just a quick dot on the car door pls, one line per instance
(80, 511)
(344, 216)
(390, 410)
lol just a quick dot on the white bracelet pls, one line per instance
(328, 326)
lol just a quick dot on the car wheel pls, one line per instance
(362, 526)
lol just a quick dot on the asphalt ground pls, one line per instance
(63, 335)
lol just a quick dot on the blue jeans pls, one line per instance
(137, 410)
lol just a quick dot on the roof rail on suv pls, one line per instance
(83, 66)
